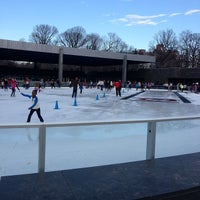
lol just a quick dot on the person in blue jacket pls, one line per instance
(35, 106)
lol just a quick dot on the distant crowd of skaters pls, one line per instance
(75, 83)
(11, 83)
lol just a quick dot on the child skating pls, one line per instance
(35, 106)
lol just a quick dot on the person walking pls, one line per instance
(34, 107)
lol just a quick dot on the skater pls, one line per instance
(81, 87)
(13, 87)
(35, 106)
(117, 85)
(75, 86)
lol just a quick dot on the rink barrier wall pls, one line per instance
(151, 133)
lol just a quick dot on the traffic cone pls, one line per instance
(56, 105)
(75, 103)
(97, 97)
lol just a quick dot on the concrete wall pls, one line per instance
(163, 75)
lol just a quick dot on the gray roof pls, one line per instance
(25, 51)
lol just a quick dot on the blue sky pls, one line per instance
(135, 21)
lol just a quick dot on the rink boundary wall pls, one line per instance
(151, 133)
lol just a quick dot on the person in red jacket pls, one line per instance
(13, 87)
(118, 87)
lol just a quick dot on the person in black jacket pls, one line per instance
(75, 86)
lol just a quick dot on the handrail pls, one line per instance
(151, 132)
(86, 123)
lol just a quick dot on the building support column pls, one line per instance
(60, 65)
(124, 70)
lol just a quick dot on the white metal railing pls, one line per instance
(151, 133)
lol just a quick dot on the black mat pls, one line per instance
(132, 95)
(183, 99)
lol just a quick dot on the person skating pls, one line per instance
(117, 85)
(13, 87)
(75, 86)
(35, 106)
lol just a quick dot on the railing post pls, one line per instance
(151, 141)
(42, 149)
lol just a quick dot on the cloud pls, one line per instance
(142, 22)
(174, 14)
(152, 20)
(133, 19)
(144, 17)
(190, 12)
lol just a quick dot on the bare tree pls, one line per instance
(114, 43)
(74, 37)
(165, 48)
(43, 34)
(94, 41)
(189, 44)
(167, 39)
(123, 47)
(131, 49)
